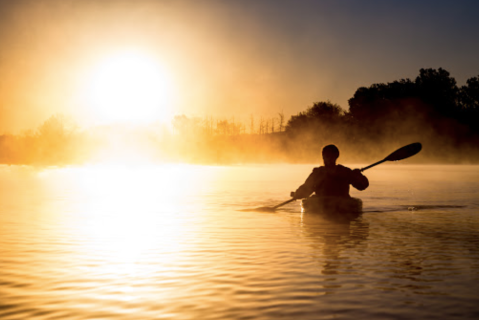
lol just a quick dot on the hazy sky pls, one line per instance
(227, 58)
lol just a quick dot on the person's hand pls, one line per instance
(358, 173)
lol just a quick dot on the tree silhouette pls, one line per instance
(469, 94)
(320, 117)
(469, 102)
(439, 90)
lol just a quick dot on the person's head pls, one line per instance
(330, 155)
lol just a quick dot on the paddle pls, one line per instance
(399, 154)
(270, 209)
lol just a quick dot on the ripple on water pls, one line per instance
(90, 255)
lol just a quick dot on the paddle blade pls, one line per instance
(405, 152)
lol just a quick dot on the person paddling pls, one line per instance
(331, 180)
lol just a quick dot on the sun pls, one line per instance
(128, 87)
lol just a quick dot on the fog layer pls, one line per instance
(430, 109)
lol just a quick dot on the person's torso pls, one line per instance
(333, 181)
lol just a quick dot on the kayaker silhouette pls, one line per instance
(331, 180)
(330, 183)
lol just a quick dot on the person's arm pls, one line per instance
(307, 188)
(359, 181)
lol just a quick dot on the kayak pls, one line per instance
(332, 205)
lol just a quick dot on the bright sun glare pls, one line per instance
(128, 87)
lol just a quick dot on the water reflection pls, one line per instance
(166, 241)
(404, 255)
(330, 237)
(113, 229)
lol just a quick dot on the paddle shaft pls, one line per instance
(372, 165)
(282, 204)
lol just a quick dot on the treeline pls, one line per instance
(59, 141)
(211, 126)
(56, 142)
(431, 109)
(219, 141)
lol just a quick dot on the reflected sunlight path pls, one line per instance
(124, 214)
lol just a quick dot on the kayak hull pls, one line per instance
(335, 206)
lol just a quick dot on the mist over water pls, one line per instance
(381, 118)
(172, 241)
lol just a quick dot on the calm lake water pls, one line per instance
(172, 242)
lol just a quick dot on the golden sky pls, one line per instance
(217, 58)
